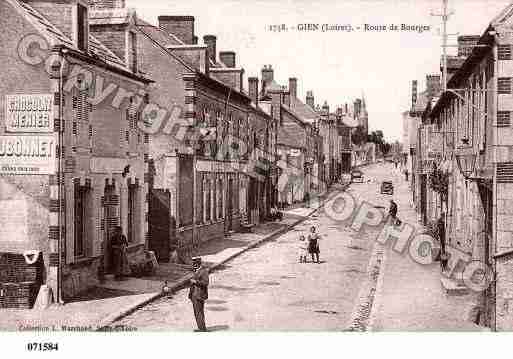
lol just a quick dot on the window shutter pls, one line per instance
(504, 85)
(503, 118)
(504, 52)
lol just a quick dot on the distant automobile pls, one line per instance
(387, 187)
(357, 176)
(346, 178)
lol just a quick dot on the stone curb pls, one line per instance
(174, 287)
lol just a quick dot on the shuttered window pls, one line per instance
(503, 118)
(504, 52)
(504, 85)
(80, 215)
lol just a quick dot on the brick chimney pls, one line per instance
(293, 87)
(59, 13)
(310, 100)
(325, 108)
(286, 96)
(267, 76)
(253, 89)
(357, 107)
(227, 58)
(180, 26)
(210, 41)
(107, 4)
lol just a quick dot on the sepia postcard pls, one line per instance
(255, 166)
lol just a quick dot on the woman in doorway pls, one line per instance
(119, 244)
(313, 244)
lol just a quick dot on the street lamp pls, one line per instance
(466, 164)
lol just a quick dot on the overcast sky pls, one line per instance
(337, 66)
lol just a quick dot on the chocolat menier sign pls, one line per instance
(29, 145)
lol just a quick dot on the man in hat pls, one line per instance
(440, 224)
(198, 292)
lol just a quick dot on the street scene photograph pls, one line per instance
(261, 166)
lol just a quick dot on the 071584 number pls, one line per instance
(42, 347)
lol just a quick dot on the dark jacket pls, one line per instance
(119, 240)
(199, 290)
(393, 209)
(313, 243)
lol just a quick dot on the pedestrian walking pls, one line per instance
(198, 292)
(303, 249)
(406, 174)
(313, 244)
(393, 212)
(119, 245)
(441, 237)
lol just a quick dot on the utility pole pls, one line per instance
(444, 44)
(445, 18)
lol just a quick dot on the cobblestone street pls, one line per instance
(268, 289)
(359, 285)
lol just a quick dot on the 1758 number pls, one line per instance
(42, 347)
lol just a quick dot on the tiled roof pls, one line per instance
(291, 134)
(349, 121)
(57, 37)
(273, 86)
(163, 38)
(305, 112)
(503, 15)
(296, 115)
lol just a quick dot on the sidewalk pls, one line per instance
(103, 305)
(409, 296)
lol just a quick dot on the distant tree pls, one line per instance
(385, 148)
(376, 137)
(359, 136)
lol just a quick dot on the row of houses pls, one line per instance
(112, 121)
(458, 145)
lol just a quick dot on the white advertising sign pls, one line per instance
(28, 155)
(294, 152)
(29, 113)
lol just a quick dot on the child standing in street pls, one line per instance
(303, 249)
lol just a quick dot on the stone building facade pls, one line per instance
(213, 155)
(472, 121)
(93, 144)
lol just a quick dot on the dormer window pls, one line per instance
(82, 27)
